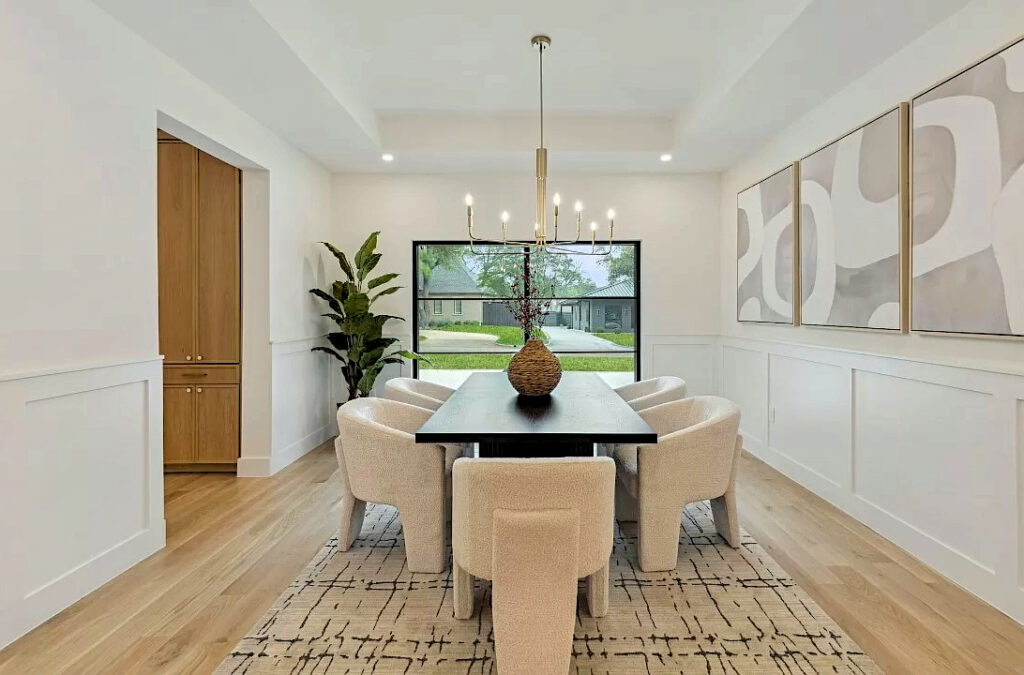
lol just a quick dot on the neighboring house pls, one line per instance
(604, 310)
(450, 296)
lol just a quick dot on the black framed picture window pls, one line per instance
(462, 326)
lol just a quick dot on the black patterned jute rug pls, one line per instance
(722, 610)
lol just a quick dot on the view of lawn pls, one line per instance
(621, 339)
(507, 335)
(500, 362)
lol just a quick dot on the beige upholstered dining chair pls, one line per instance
(534, 527)
(380, 461)
(655, 391)
(417, 392)
(694, 459)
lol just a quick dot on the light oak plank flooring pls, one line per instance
(234, 544)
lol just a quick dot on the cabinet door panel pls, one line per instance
(176, 204)
(217, 423)
(219, 268)
(179, 425)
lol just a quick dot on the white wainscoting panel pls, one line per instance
(925, 455)
(929, 455)
(302, 405)
(745, 382)
(691, 357)
(81, 484)
(809, 416)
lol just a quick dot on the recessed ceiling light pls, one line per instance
(388, 157)
(666, 157)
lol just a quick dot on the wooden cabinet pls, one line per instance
(199, 255)
(201, 427)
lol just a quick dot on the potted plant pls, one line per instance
(534, 370)
(359, 342)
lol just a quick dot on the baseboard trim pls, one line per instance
(261, 467)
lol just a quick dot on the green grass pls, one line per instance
(510, 336)
(621, 339)
(622, 364)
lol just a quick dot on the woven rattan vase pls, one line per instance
(534, 370)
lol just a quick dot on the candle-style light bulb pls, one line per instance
(593, 226)
(504, 227)
(578, 206)
(611, 214)
(557, 199)
(469, 214)
(593, 234)
(469, 199)
(504, 216)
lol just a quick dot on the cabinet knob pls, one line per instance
(188, 390)
(199, 358)
(199, 390)
(188, 357)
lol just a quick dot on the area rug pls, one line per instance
(722, 610)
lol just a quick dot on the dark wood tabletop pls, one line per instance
(581, 411)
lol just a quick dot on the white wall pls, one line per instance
(82, 98)
(918, 436)
(676, 217)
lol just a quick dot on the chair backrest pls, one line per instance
(655, 391)
(696, 444)
(417, 392)
(375, 435)
(485, 489)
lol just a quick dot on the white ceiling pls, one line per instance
(452, 84)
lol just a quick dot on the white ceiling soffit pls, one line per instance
(230, 46)
(451, 85)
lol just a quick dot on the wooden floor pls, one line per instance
(234, 544)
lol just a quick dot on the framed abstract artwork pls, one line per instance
(766, 280)
(852, 228)
(967, 150)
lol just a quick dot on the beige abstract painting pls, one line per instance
(765, 238)
(968, 200)
(850, 229)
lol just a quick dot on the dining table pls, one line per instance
(488, 415)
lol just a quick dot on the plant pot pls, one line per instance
(534, 370)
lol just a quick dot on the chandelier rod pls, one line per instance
(540, 51)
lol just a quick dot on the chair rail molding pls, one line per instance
(929, 455)
(82, 485)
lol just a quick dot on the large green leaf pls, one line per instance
(346, 266)
(340, 341)
(341, 290)
(386, 291)
(368, 378)
(365, 251)
(371, 356)
(381, 280)
(356, 304)
(337, 318)
(329, 351)
(368, 265)
(334, 304)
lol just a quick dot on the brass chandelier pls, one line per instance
(540, 243)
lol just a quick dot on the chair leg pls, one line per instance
(424, 536)
(659, 536)
(597, 593)
(352, 512)
(626, 508)
(727, 520)
(463, 592)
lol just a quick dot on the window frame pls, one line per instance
(437, 307)
(457, 307)
(636, 299)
